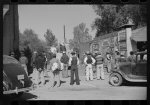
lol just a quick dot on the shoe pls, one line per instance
(71, 84)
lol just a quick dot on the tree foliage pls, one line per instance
(113, 16)
(30, 39)
(50, 38)
(81, 34)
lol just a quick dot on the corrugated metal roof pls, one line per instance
(139, 34)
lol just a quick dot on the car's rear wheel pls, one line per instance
(115, 79)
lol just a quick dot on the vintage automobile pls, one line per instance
(129, 71)
(15, 79)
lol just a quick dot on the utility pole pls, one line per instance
(64, 36)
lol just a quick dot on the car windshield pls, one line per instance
(8, 59)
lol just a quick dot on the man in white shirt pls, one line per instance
(89, 61)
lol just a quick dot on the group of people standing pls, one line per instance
(52, 66)
(90, 61)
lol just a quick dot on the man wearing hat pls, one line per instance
(89, 61)
(12, 54)
(39, 64)
(108, 57)
(53, 69)
(99, 66)
(24, 61)
(64, 60)
(74, 62)
(132, 57)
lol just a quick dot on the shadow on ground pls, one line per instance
(139, 84)
(25, 96)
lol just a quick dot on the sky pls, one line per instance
(54, 17)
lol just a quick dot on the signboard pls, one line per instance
(105, 43)
(122, 35)
(122, 40)
(95, 47)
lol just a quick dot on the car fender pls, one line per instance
(124, 76)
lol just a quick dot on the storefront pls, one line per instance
(124, 41)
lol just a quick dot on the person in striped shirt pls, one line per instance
(99, 66)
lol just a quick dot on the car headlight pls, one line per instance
(5, 86)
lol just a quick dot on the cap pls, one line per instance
(63, 52)
(12, 53)
(99, 53)
(73, 52)
(35, 52)
(87, 52)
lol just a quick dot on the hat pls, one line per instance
(12, 53)
(73, 52)
(88, 53)
(107, 53)
(54, 55)
(99, 53)
(35, 52)
(63, 52)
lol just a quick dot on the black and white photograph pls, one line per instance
(75, 52)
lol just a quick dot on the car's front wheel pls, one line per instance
(115, 79)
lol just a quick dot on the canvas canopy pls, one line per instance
(139, 35)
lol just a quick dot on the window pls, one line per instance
(145, 57)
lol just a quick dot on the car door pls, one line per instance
(141, 65)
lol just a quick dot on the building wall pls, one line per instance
(111, 42)
(11, 30)
(108, 44)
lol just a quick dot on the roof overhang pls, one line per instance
(139, 35)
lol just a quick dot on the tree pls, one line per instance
(81, 34)
(50, 38)
(30, 39)
(113, 16)
(72, 44)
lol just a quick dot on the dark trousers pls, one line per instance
(65, 71)
(74, 70)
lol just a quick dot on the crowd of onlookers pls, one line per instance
(53, 64)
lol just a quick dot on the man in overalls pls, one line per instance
(74, 62)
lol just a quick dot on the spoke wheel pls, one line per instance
(115, 79)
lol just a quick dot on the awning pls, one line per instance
(139, 35)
